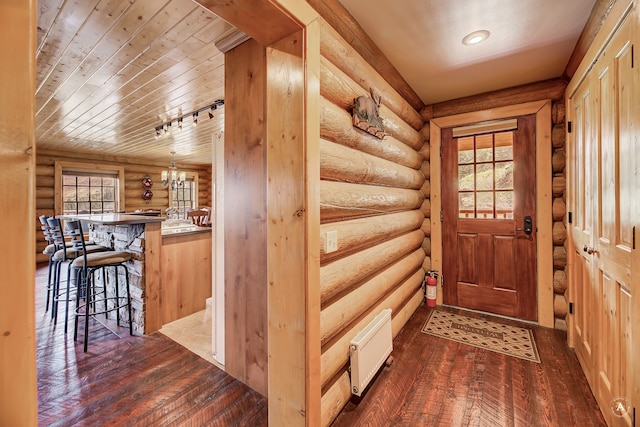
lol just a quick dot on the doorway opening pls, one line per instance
(489, 218)
(541, 111)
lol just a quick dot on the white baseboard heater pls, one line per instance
(369, 350)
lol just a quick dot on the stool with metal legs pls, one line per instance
(65, 252)
(90, 301)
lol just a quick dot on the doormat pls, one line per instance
(509, 340)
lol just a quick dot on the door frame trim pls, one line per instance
(544, 194)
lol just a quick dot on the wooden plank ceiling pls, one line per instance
(110, 71)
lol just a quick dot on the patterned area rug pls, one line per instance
(509, 340)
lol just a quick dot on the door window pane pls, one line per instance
(465, 150)
(504, 176)
(466, 178)
(504, 204)
(485, 176)
(466, 205)
(484, 205)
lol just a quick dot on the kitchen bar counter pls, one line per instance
(115, 218)
(170, 273)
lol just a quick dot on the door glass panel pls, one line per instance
(504, 176)
(466, 181)
(504, 204)
(484, 205)
(465, 150)
(485, 176)
(466, 205)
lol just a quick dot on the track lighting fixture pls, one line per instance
(165, 127)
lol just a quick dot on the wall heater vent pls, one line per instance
(369, 350)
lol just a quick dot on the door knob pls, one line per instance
(589, 249)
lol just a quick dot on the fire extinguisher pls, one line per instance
(431, 280)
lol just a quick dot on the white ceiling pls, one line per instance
(530, 41)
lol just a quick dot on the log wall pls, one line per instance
(134, 171)
(372, 193)
(558, 139)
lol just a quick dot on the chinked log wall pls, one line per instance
(134, 172)
(371, 193)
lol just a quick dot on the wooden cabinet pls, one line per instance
(604, 207)
(186, 274)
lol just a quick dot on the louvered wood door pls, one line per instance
(604, 201)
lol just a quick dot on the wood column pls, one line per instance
(245, 154)
(18, 392)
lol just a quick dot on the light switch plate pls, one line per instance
(331, 242)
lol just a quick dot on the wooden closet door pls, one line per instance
(604, 193)
(581, 190)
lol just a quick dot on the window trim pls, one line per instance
(191, 176)
(66, 166)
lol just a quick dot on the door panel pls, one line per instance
(602, 193)
(489, 260)
(580, 190)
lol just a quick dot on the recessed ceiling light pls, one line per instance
(475, 37)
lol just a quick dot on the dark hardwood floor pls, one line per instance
(437, 382)
(152, 381)
(132, 381)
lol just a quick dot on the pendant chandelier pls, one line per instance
(172, 177)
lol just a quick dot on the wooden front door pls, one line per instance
(603, 205)
(489, 218)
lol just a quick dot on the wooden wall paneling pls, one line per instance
(152, 277)
(186, 275)
(341, 163)
(597, 18)
(634, 316)
(356, 234)
(286, 231)
(336, 126)
(18, 391)
(340, 200)
(246, 216)
(341, 313)
(552, 89)
(335, 355)
(312, 178)
(380, 257)
(339, 88)
(338, 393)
(341, 53)
(343, 274)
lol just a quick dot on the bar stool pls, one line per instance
(91, 299)
(64, 252)
(49, 250)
